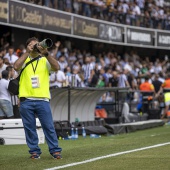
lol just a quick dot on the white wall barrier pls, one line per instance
(72, 103)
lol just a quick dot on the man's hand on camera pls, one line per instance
(43, 51)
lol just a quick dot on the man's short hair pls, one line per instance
(31, 39)
(5, 74)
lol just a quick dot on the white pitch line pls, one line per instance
(107, 156)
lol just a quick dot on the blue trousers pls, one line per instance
(28, 109)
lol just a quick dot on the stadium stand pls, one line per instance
(106, 66)
(143, 13)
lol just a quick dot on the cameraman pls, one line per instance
(34, 97)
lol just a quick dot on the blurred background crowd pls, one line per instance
(105, 67)
(143, 13)
(81, 68)
(100, 65)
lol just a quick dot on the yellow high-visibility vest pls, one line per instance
(42, 72)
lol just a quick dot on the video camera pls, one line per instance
(46, 43)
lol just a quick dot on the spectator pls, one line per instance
(67, 72)
(76, 6)
(77, 65)
(165, 88)
(10, 56)
(14, 98)
(76, 81)
(72, 58)
(161, 77)
(146, 86)
(101, 81)
(61, 5)
(141, 4)
(86, 7)
(2, 52)
(47, 3)
(147, 90)
(156, 83)
(68, 5)
(98, 8)
(87, 68)
(12, 73)
(57, 79)
(122, 81)
(6, 110)
(113, 81)
(62, 62)
(2, 65)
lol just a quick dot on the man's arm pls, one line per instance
(53, 62)
(20, 61)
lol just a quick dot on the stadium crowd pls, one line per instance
(103, 69)
(143, 13)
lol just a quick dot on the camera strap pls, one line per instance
(36, 58)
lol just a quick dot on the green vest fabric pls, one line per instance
(25, 84)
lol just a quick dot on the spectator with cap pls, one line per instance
(6, 110)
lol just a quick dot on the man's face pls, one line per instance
(32, 44)
(11, 51)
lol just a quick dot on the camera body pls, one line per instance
(46, 43)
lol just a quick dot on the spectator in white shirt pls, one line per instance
(141, 4)
(10, 56)
(72, 58)
(136, 9)
(2, 65)
(125, 7)
(159, 3)
(57, 79)
(6, 109)
(122, 81)
(62, 62)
